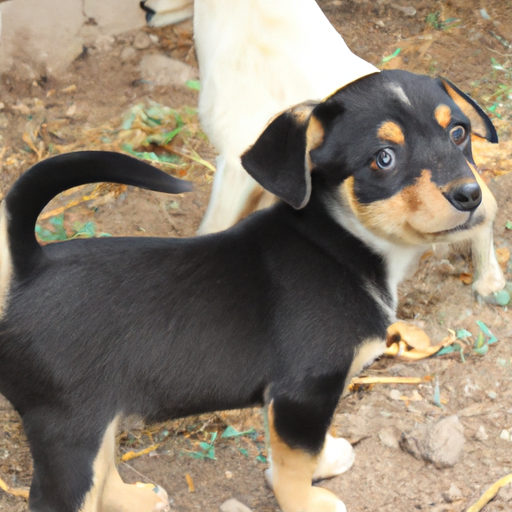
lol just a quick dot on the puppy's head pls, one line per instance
(392, 149)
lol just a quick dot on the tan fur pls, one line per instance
(315, 134)
(292, 473)
(443, 115)
(477, 124)
(5, 261)
(391, 132)
(418, 214)
(368, 351)
(109, 493)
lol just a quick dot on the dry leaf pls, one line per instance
(466, 278)
(413, 336)
(190, 483)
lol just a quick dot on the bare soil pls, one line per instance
(451, 39)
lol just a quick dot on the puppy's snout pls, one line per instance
(465, 197)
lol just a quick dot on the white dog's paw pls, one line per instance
(337, 457)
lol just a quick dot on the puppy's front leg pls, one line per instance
(292, 473)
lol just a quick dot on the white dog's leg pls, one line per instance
(489, 277)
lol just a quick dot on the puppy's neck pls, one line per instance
(398, 258)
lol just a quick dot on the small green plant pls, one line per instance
(87, 230)
(207, 450)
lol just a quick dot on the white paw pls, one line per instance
(337, 457)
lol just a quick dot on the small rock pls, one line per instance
(445, 442)
(233, 505)
(441, 443)
(71, 111)
(452, 494)
(484, 14)
(505, 435)
(228, 474)
(142, 41)
(408, 10)
(22, 109)
(162, 70)
(154, 38)
(2, 105)
(388, 438)
(380, 23)
(505, 493)
(127, 54)
(104, 43)
(395, 394)
(481, 434)
(492, 395)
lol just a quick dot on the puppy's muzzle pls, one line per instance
(466, 197)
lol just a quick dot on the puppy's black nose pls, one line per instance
(465, 197)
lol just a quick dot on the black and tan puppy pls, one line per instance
(283, 308)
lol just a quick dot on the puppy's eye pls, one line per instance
(386, 159)
(458, 134)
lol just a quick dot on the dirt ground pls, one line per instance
(465, 41)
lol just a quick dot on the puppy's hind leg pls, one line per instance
(74, 468)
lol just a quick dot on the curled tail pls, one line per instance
(43, 181)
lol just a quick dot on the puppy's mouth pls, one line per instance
(471, 223)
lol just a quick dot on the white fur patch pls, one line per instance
(399, 93)
(399, 259)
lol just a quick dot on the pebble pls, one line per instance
(505, 435)
(452, 494)
(127, 53)
(233, 505)
(142, 41)
(395, 394)
(104, 43)
(388, 438)
(163, 70)
(2, 105)
(481, 434)
(408, 10)
(441, 443)
(492, 395)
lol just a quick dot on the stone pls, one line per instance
(481, 435)
(445, 442)
(163, 70)
(408, 10)
(505, 435)
(388, 438)
(441, 443)
(142, 41)
(104, 43)
(233, 505)
(452, 494)
(127, 54)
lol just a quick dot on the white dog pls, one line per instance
(256, 59)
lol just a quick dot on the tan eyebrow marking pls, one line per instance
(391, 132)
(443, 115)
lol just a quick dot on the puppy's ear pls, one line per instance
(481, 125)
(278, 160)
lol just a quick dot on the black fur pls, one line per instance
(275, 308)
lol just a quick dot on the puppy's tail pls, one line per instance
(42, 182)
